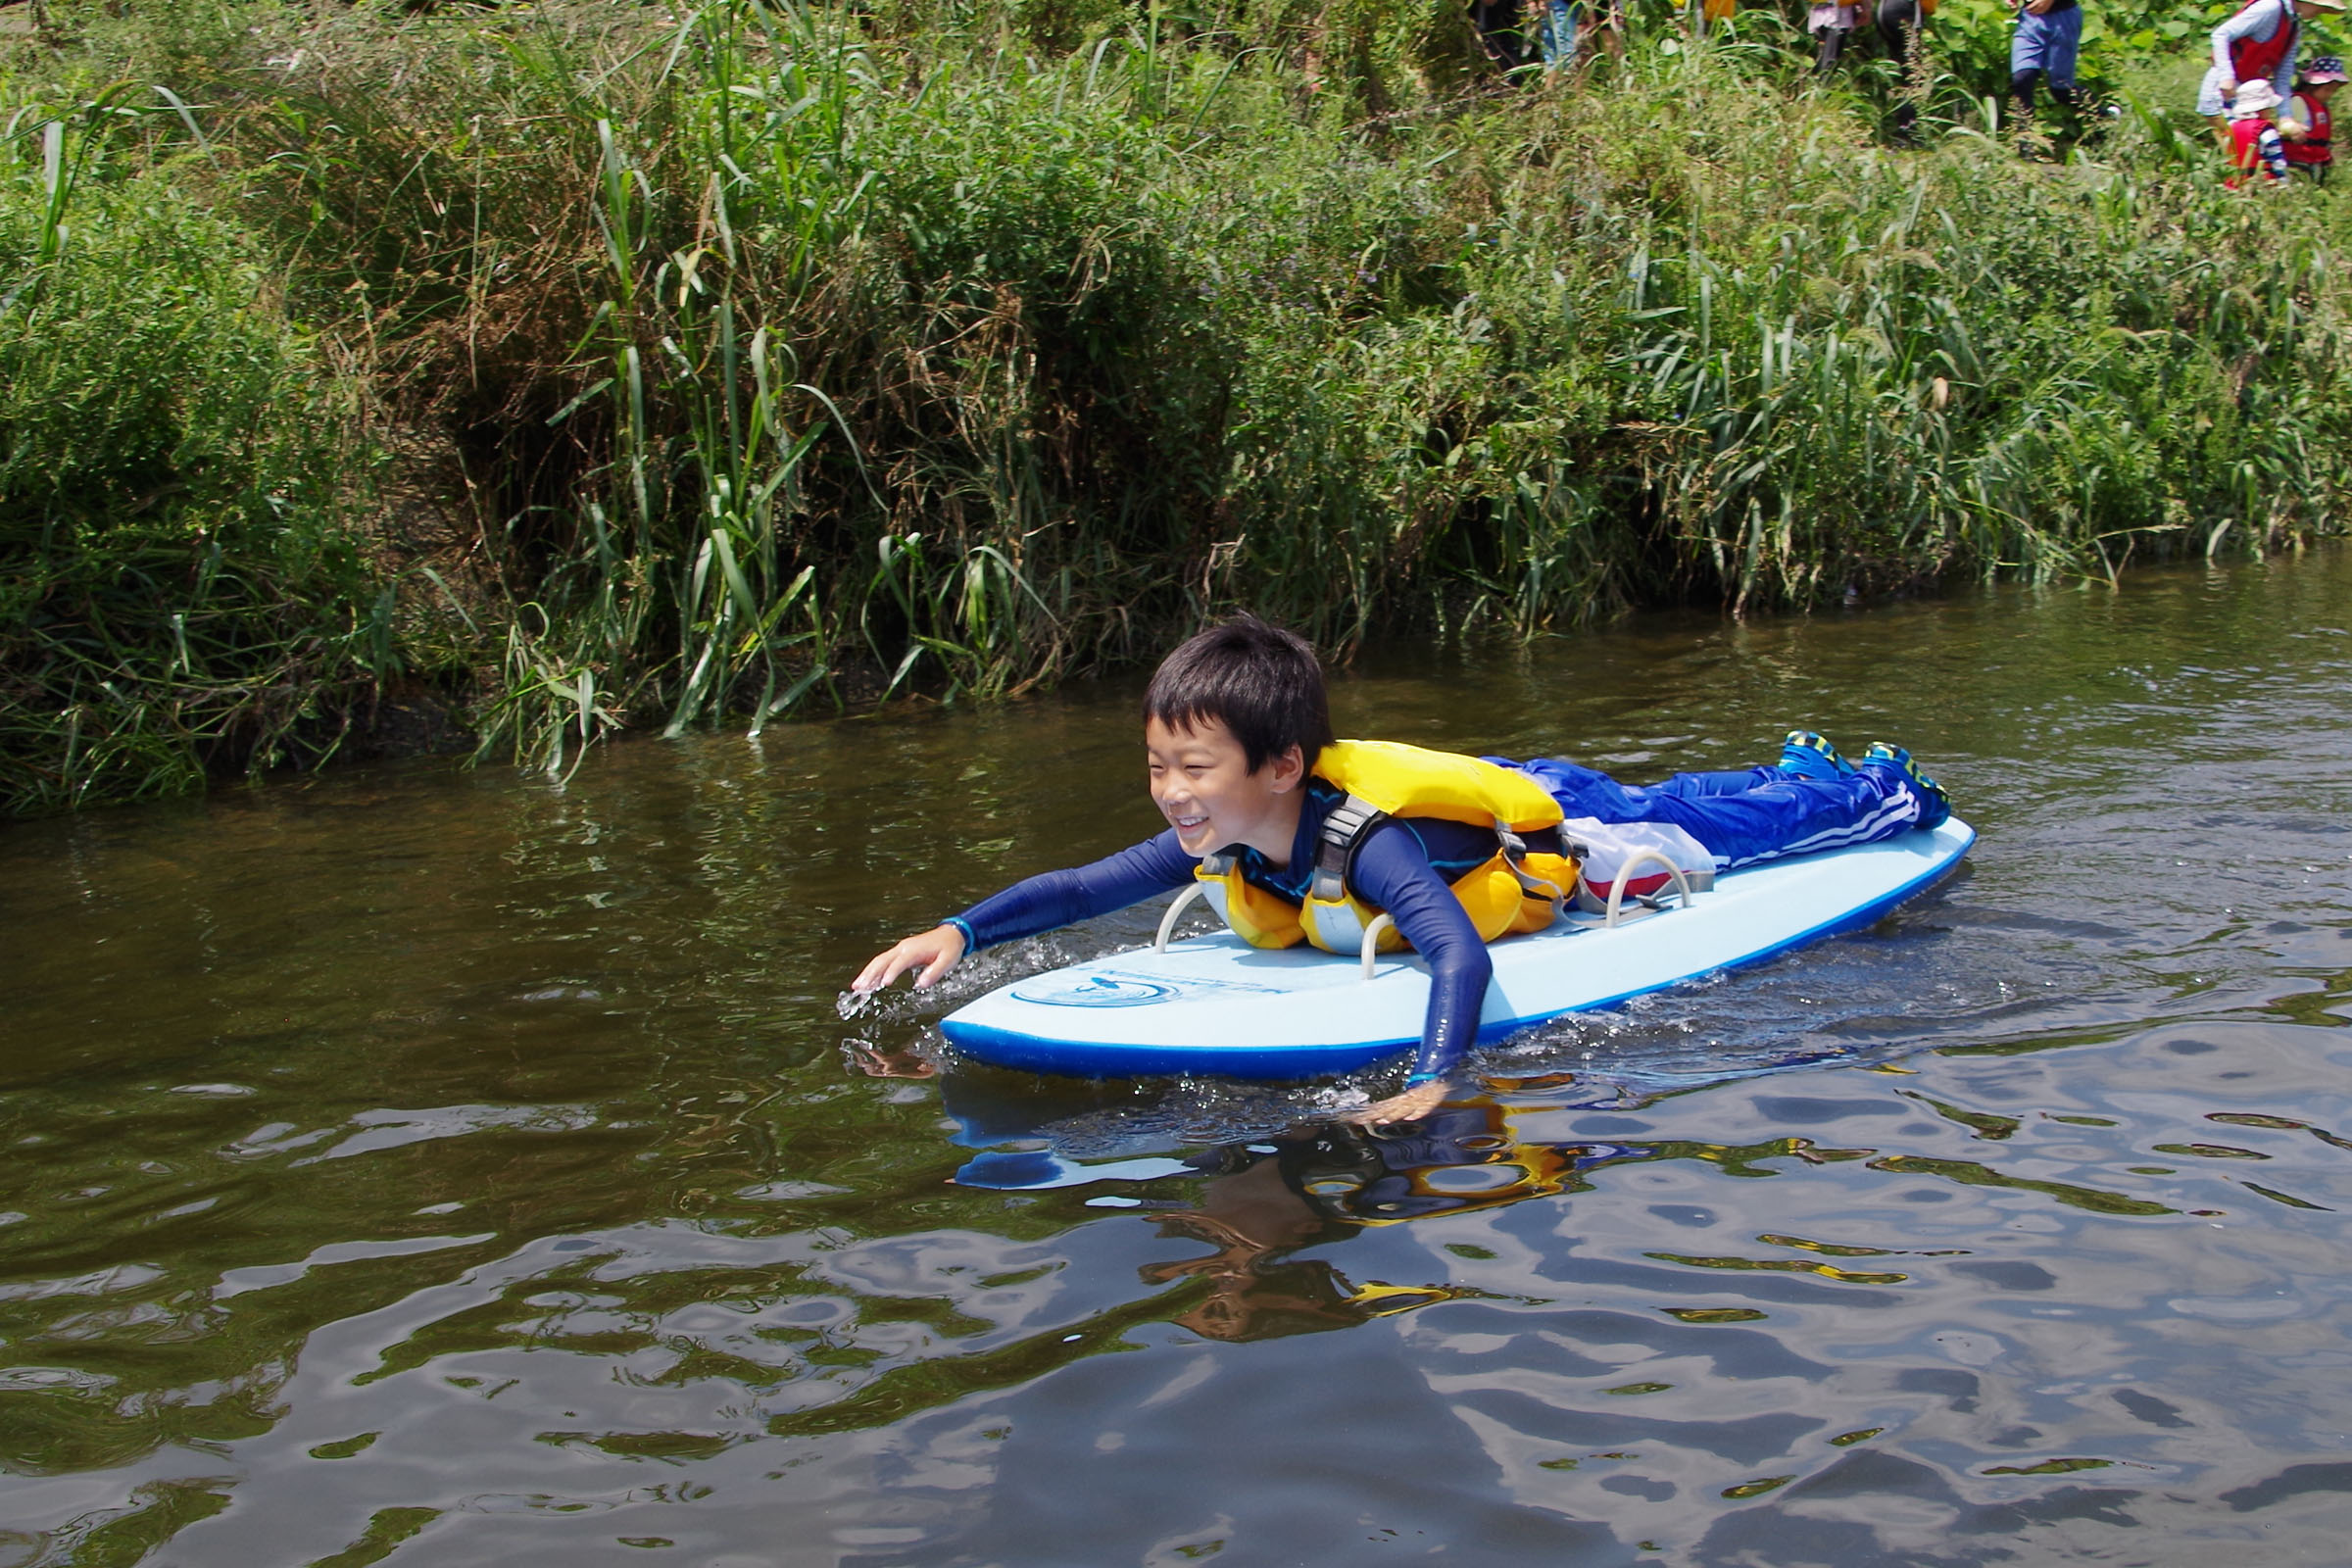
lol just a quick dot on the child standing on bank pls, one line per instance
(2047, 43)
(1268, 811)
(2305, 125)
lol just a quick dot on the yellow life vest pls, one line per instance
(1513, 891)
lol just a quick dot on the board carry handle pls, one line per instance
(1381, 922)
(1176, 907)
(1682, 883)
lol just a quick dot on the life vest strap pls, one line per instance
(1343, 832)
(1514, 859)
(1522, 885)
(1353, 820)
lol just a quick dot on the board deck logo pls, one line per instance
(1093, 990)
(1109, 988)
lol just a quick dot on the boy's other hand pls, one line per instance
(1411, 1106)
(930, 954)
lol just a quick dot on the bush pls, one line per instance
(177, 591)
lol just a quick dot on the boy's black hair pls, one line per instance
(1260, 681)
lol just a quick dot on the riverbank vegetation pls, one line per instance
(586, 366)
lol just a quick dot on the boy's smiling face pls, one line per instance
(1202, 783)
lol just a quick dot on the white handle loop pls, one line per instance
(1379, 924)
(1176, 907)
(1182, 900)
(1682, 884)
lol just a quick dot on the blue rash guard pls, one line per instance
(1406, 868)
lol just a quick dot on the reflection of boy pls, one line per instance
(1237, 736)
(2305, 123)
(1250, 1217)
(1316, 1185)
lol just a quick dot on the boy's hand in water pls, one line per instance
(930, 954)
(1411, 1106)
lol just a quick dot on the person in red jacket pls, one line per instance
(2258, 42)
(2257, 154)
(2304, 123)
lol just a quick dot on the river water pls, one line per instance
(451, 1168)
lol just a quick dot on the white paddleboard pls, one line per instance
(1215, 1005)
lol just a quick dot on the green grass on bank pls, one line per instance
(758, 359)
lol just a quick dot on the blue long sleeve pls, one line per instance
(1392, 872)
(1057, 899)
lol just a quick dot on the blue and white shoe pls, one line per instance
(1808, 756)
(1934, 803)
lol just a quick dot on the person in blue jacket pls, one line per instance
(1234, 722)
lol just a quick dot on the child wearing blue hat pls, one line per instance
(2304, 124)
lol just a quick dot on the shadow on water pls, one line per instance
(444, 1170)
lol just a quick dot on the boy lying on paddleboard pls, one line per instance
(1301, 837)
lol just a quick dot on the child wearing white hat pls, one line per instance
(2254, 142)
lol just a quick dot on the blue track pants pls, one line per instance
(1758, 814)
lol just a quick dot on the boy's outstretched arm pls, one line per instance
(1038, 903)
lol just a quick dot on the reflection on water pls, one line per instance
(445, 1169)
